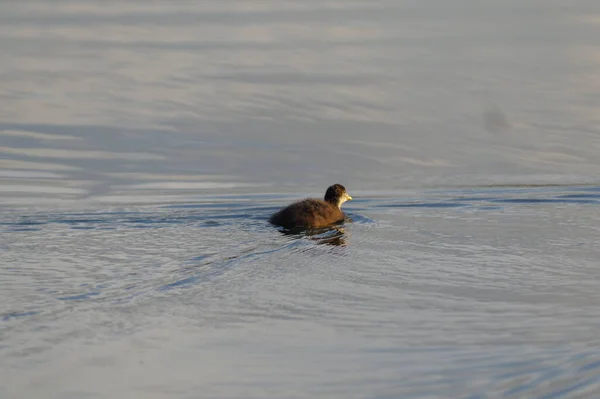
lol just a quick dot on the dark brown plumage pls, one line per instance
(312, 212)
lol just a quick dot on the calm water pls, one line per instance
(143, 147)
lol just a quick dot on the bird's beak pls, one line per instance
(348, 197)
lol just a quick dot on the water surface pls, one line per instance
(144, 145)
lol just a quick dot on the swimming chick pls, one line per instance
(312, 212)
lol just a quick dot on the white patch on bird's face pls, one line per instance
(343, 199)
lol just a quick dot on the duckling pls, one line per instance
(312, 212)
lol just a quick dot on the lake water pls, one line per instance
(143, 146)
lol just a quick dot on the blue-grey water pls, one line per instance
(143, 146)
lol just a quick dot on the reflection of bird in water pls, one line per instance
(333, 235)
(336, 236)
(313, 213)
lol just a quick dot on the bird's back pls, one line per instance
(307, 213)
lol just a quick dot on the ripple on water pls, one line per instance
(400, 271)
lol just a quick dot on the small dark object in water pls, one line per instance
(314, 213)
